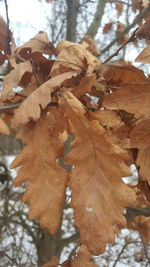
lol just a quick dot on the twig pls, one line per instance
(137, 19)
(13, 106)
(8, 22)
(134, 211)
(131, 39)
(120, 253)
(144, 246)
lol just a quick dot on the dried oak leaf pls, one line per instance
(120, 28)
(98, 193)
(144, 56)
(45, 179)
(4, 128)
(135, 5)
(53, 263)
(90, 45)
(142, 225)
(39, 43)
(119, 8)
(122, 72)
(107, 27)
(116, 130)
(84, 86)
(140, 138)
(75, 57)
(144, 31)
(13, 79)
(130, 98)
(40, 98)
(145, 189)
(5, 36)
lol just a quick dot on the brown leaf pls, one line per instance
(4, 128)
(13, 79)
(135, 5)
(116, 130)
(122, 72)
(84, 86)
(144, 56)
(144, 31)
(140, 138)
(40, 98)
(5, 36)
(107, 27)
(53, 263)
(96, 188)
(90, 45)
(120, 28)
(145, 189)
(75, 57)
(45, 179)
(119, 8)
(130, 98)
(39, 43)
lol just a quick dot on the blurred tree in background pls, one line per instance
(24, 243)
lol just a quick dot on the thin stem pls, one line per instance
(137, 19)
(131, 39)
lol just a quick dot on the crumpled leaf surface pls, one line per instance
(40, 98)
(52, 263)
(12, 79)
(140, 138)
(75, 57)
(122, 72)
(96, 187)
(144, 31)
(45, 179)
(130, 98)
(4, 128)
(38, 43)
(144, 56)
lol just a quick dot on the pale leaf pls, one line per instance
(130, 98)
(12, 79)
(4, 128)
(98, 193)
(140, 138)
(144, 56)
(75, 57)
(45, 179)
(40, 98)
(38, 43)
(52, 263)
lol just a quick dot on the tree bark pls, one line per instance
(72, 13)
(93, 28)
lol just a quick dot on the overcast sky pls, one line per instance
(27, 17)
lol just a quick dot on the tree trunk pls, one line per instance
(72, 12)
(93, 28)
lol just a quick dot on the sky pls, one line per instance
(27, 17)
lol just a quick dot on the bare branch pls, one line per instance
(127, 29)
(131, 39)
(72, 12)
(93, 28)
